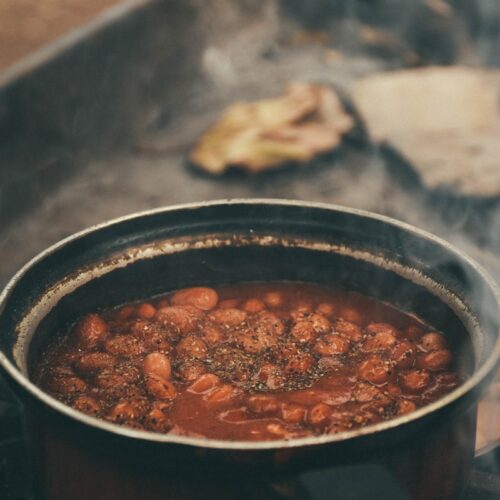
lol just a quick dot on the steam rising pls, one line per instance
(250, 50)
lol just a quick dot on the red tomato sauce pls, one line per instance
(249, 362)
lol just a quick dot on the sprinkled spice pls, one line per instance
(249, 362)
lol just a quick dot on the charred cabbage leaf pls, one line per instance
(306, 121)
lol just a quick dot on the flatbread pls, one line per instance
(444, 120)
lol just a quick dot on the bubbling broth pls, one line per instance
(249, 362)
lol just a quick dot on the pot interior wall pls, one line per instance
(224, 242)
(229, 264)
(254, 240)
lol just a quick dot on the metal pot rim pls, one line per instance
(487, 367)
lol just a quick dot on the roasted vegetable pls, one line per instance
(306, 121)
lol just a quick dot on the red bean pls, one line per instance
(366, 392)
(280, 431)
(157, 364)
(110, 380)
(90, 331)
(337, 396)
(203, 298)
(370, 412)
(340, 421)
(154, 336)
(268, 323)
(93, 362)
(270, 374)
(348, 329)
(163, 406)
(114, 385)
(192, 346)
(380, 341)
(228, 317)
(254, 306)
(141, 328)
(261, 333)
(204, 384)
(295, 315)
(222, 394)
(146, 311)
(320, 323)
(183, 319)
(435, 360)
(125, 411)
(414, 381)
(319, 414)
(404, 406)
(212, 334)
(330, 363)
(263, 403)
(293, 414)
(66, 385)
(309, 327)
(299, 363)
(87, 405)
(124, 313)
(274, 300)
(303, 331)
(330, 344)
(157, 341)
(433, 341)
(255, 342)
(157, 420)
(375, 370)
(124, 345)
(365, 414)
(234, 416)
(190, 370)
(403, 354)
(386, 328)
(160, 388)
(392, 390)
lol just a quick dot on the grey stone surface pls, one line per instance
(445, 121)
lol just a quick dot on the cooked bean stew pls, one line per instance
(249, 362)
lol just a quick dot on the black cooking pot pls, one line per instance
(78, 457)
